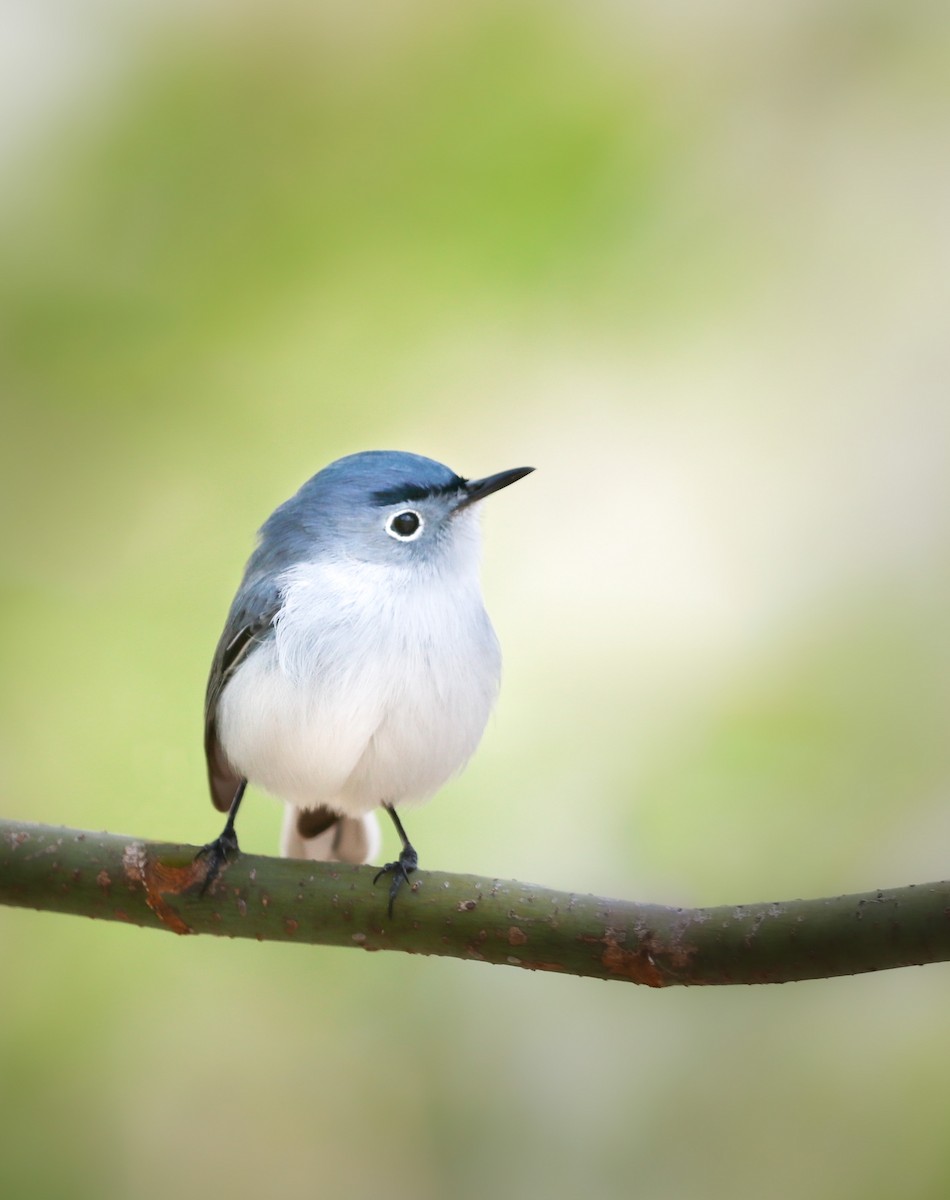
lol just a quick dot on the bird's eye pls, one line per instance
(405, 526)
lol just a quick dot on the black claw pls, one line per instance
(224, 847)
(218, 854)
(400, 870)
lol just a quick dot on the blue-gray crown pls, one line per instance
(387, 477)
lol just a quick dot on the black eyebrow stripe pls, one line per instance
(416, 491)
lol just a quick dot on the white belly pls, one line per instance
(359, 702)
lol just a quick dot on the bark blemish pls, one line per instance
(159, 881)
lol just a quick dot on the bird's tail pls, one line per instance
(322, 836)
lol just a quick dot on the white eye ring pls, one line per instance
(412, 525)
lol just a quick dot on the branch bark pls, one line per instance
(158, 885)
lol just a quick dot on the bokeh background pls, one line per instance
(691, 261)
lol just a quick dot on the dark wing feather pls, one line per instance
(249, 623)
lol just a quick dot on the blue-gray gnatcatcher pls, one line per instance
(357, 667)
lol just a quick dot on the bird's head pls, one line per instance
(386, 506)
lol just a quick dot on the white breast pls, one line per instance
(376, 688)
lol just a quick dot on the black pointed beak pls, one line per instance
(477, 489)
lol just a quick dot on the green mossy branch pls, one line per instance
(158, 884)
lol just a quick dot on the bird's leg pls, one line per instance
(225, 845)
(404, 865)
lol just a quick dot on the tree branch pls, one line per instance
(158, 884)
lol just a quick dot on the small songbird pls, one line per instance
(357, 667)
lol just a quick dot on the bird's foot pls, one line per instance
(400, 870)
(218, 854)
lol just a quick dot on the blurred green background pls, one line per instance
(692, 263)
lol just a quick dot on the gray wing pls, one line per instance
(250, 622)
(288, 536)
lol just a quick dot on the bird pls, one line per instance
(357, 667)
